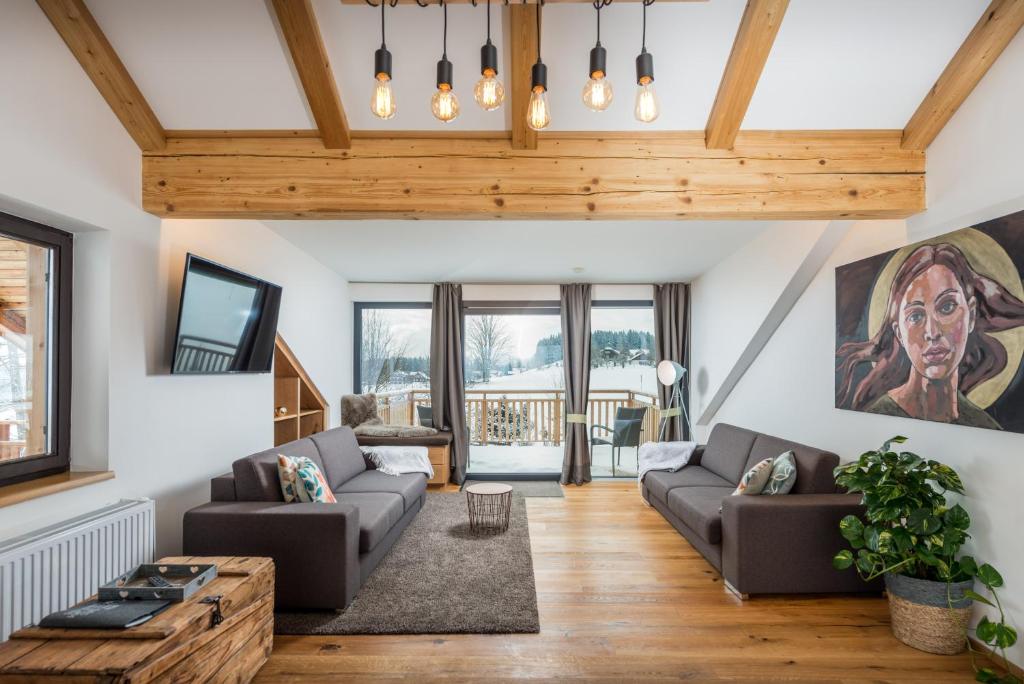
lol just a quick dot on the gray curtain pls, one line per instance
(447, 387)
(672, 342)
(576, 361)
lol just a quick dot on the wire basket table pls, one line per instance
(490, 504)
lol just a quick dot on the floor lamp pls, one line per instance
(671, 374)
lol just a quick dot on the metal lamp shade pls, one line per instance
(670, 372)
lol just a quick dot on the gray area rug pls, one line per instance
(440, 578)
(530, 488)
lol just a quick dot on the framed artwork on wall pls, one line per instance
(935, 330)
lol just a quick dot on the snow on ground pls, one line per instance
(636, 377)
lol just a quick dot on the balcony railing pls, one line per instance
(523, 416)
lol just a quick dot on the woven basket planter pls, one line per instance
(922, 616)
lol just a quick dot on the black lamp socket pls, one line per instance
(540, 75)
(444, 72)
(644, 67)
(382, 62)
(488, 58)
(598, 61)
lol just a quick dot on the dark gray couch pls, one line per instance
(760, 544)
(322, 552)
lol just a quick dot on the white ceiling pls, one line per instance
(835, 64)
(519, 251)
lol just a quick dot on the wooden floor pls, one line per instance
(623, 597)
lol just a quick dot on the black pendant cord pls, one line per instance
(643, 30)
(540, 5)
(444, 33)
(597, 6)
(383, 43)
(488, 22)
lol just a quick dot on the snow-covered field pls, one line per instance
(638, 378)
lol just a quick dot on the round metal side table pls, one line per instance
(490, 504)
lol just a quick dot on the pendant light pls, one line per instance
(597, 92)
(647, 106)
(444, 105)
(489, 93)
(538, 114)
(382, 101)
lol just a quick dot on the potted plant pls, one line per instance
(912, 538)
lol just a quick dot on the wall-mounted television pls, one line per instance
(227, 321)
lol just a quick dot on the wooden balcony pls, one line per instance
(521, 417)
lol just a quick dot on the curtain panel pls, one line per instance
(447, 385)
(672, 342)
(575, 305)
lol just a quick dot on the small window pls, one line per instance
(35, 349)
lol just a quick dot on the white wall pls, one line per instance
(973, 174)
(67, 161)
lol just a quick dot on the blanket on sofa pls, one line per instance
(670, 456)
(398, 460)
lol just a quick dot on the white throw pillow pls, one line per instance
(755, 479)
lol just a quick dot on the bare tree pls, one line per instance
(489, 340)
(379, 351)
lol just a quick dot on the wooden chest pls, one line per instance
(180, 644)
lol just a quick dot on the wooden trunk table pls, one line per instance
(180, 644)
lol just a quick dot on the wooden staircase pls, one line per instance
(300, 410)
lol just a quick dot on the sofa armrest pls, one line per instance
(785, 544)
(315, 546)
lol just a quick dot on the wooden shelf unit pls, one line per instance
(306, 410)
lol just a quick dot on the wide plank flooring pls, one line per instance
(623, 597)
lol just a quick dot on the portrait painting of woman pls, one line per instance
(935, 331)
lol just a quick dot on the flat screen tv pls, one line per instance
(227, 321)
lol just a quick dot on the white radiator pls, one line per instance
(60, 565)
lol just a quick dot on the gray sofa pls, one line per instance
(760, 544)
(322, 552)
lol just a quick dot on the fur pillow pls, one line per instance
(359, 409)
(378, 430)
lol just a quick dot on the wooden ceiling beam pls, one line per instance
(768, 175)
(750, 50)
(986, 41)
(83, 36)
(522, 39)
(309, 55)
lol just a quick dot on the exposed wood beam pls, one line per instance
(750, 50)
(302, 33)
(768, 175)
(522, 38)
(986, 41)
(83, 36)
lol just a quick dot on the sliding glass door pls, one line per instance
(514, 389)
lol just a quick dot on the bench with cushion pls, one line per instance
(323, 552)
(761, 544)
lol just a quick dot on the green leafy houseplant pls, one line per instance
(910, 530)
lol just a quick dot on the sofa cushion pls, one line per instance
(378, 513)
(727, 451)
(813, 466)
(698, 507)
(256, 475)
(410, 486)
(659, 483)
(340, 455)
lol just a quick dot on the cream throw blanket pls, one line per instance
(670, 456)
(398, 460)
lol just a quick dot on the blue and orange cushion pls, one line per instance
(302, 480)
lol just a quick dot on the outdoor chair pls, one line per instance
(626, 433)
(426, 416)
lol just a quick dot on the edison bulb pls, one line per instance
(382, 101)
(444, 105)
(597, 93)
(538, 116)
(489, 93)
(647, 106)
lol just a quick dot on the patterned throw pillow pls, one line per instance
(301, 480)
(755, 479)
(313, 485)
(783, 475)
